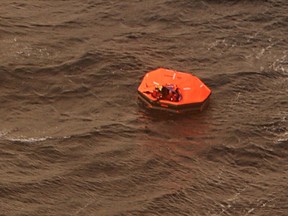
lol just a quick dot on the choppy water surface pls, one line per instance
(74, 140)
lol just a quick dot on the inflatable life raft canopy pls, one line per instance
(183, 91)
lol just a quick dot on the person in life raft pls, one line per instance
(168, 92)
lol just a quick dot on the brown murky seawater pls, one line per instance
(74, 140)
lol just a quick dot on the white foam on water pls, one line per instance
(29, 140)
(3, 133)
(283, 138)
(33, 139)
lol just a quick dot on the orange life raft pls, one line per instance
(184, 92)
